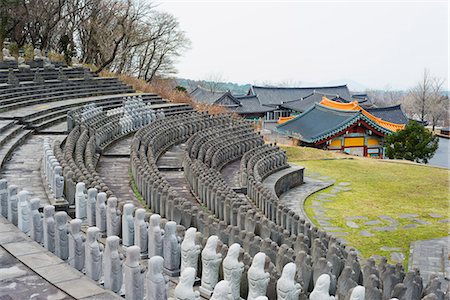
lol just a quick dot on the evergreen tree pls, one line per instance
(414, 143)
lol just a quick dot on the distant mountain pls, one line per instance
(353, 86)
(234, 88)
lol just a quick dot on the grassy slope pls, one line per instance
(381, 188)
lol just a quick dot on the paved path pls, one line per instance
(23, 166)
(231, 173)
(431, 257)
(114, 170)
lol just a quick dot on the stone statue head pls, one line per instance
(322, 283)
(140, 214)
(112, 242)
(288, 273)
(155, 220)
(49, 211)
(256, 270)
(112, 202)
(187, 277)
(101, 198)
(60, 219)
(34, 203)
(155, 265)
(23, 197)
(92, 233)
(222, 290)
(233, 251)
(189, 238)
(128, 209)
(133, 256)
(92, 193)
(358, 293)
(12, 190)
(170, 228)
(75, 226)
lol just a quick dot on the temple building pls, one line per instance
(344, 127)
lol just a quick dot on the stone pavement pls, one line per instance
(26, 161)
(231, 173)
(431, 257)
(28, 271)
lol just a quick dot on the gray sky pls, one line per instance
(376, 43)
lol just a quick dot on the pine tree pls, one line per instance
(414, 143)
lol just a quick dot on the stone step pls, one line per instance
(7, 149)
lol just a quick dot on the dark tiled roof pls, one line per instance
(250, 105)
(303, 104)
(203, 95)
(392, 114)
(319, 122)
(274, 96)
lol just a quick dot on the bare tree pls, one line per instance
(213, 82)
(426, 101)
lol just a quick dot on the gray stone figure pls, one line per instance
(210, 266)
(49, 228)
(58, 182)
(12, 204)
(185, 287)
(321, 289)
(112, 218)
(287, 288)
(94, 253)
(140, 231)
(23, 212)
(222, 291)
(128, 225)
(80, 201)
(112, 264)
(76, 245)
(134, 275)
(358, 293)
(258, 279)
(36, 224)
(155, 236)
(91, 206)
(61, 235)
(172, 251)
(233, 269)
(189, 250)
(4, 198)
(345, 282)
(156, 282)
(6, 54)
(100, 212)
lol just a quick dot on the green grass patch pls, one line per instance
(136, 192)
(380, 188)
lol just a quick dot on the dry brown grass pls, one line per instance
(166, 89)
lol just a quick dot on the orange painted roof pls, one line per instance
(354, 106)
(281, 120)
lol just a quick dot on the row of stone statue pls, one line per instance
(52, 170)
(37, 54)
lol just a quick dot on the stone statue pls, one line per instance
(287, 288)
(91, 206)
(80, 201)
(94, 252)
(23, 212)
(156, 282)
(61, 235)
(134, 274)
(189, 250)
(258, 279)
(358, 293)
(6, 55)
(36, 224)
(49, 228)
(172, 250)
(12, 204)
(38, 54)
(59, 182)
(321, 289)
(100, 212)
(4, 198)
(232, 270)
(112, 264)
(76, 245)
(210, 265)
(222, 291)
(112, 218)
(185, 287)
(155, 236)
(128, 225)
(140, 231)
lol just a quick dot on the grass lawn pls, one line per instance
(380, 188)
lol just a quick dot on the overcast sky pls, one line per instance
(374, 43)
